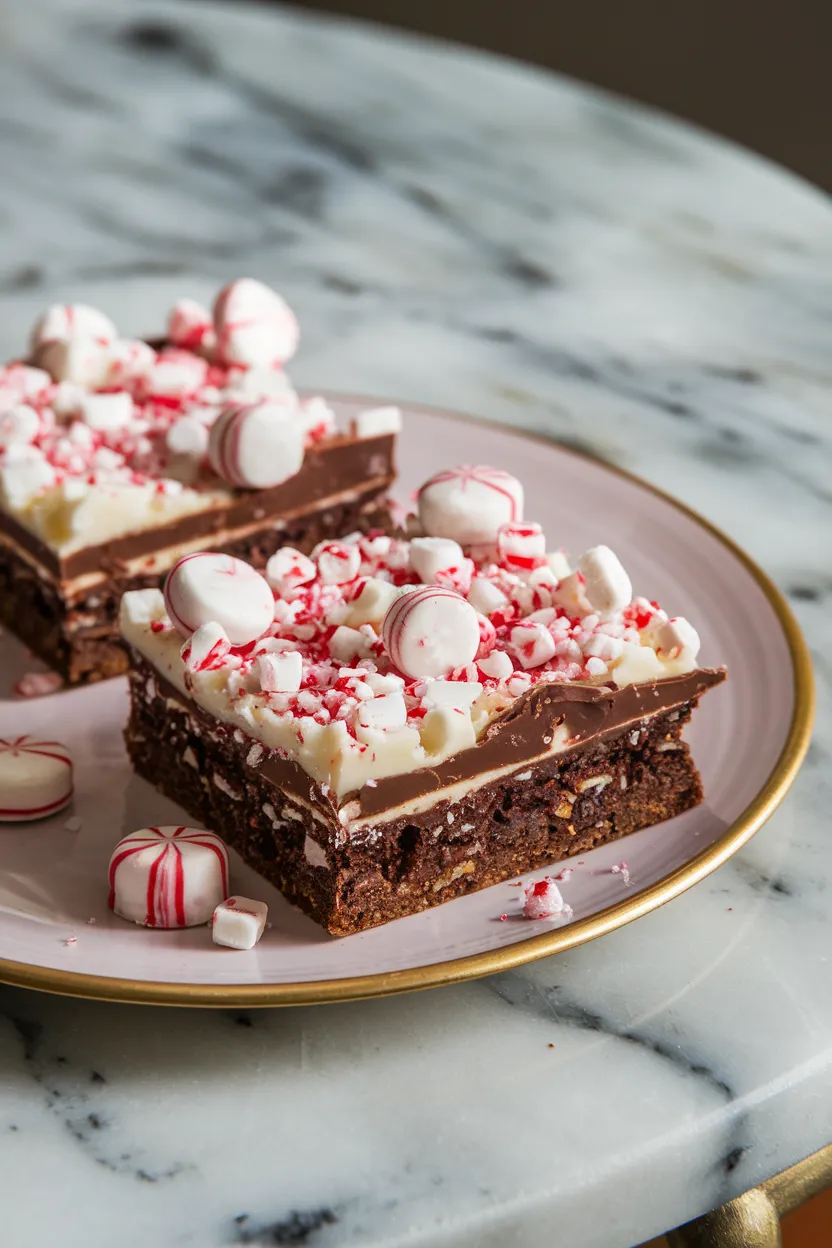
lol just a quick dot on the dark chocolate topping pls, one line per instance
(336, 466)
(524, 731)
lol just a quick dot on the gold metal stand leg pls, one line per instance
(753, 1219)
(750, 1221)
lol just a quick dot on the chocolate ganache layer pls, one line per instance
(340, 465)
(523, 734)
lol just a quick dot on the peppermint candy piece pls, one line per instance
(190, 325)
(256, 445)
(239, 922)
(470, 504)
(429, 631)
(35, 778)
(254, 326)
(72, 321)
(168, 877)
(18, 425)
(210, 588)
(543, 900)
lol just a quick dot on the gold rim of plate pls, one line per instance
(476, 965)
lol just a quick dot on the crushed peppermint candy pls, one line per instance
(623, 870)
(38, 684)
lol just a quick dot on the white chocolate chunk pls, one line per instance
(637, 663)
(280, 673)
(673, 636)
(370, 606)
(452, 693)
(142, 606)
(446, 729)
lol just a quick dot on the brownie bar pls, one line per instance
(620, 781)
(79, 637)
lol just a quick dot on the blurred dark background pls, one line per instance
(758, 72)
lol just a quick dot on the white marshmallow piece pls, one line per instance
(18, 425)
(142, 607)
(558, 564)
(346, 645)
(35, 778)
(497, 665)
(318, 417)
(377, 421)
(130, 360)
(25, 473)
(280, 672)
(188, 437)
(606, 585)
(175, 374)
(429, 631)
(80, 360)
(72, 321)
(461, 694)
(189, 325)
(208, 587)
(470, 504)
(430, 555)
(533, 644)
(256, 445)
(383, 712)
(673, 637)
(371, 604)
(338, 562)
(239, 922)
(206, 648)
(104, 412)
(168, 877)
(247, 385)
(288, 568)
(254, 326)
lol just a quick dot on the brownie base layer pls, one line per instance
(80, 639)
(540, 816)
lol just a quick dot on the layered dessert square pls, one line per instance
(119, 456)
(386, 724)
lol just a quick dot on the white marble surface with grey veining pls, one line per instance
(466, 232)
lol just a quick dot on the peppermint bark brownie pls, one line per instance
(389, 724)
(117, 457)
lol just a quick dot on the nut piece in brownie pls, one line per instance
(117, 457)
(386, 724)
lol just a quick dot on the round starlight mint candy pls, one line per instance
(254, 326)
(168, 877)
(210, 588)
(256, 445)
(470, 503)
(429, 631)
(35, 778)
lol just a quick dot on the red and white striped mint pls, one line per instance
(239, 922)
(256, 445)
(190, 325)
(65, 322)
(429, 631)
(168, 876)
(209, 588)
(35, 778)
(470, 504)
(521, 547)
(338, 562)
(85, 361)
(254, 326)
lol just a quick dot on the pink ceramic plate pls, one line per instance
(748, 738)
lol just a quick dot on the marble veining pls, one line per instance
(456, 230)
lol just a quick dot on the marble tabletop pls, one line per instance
(463, 231)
